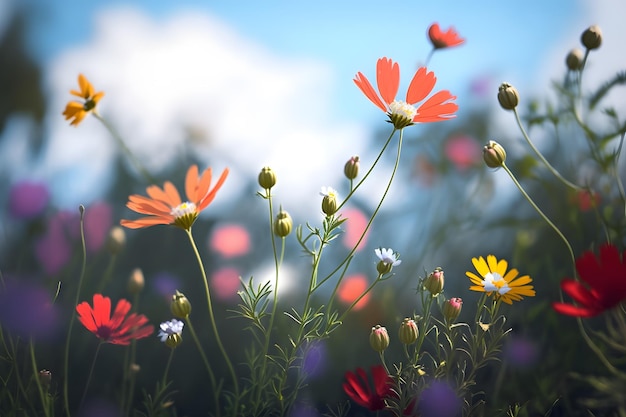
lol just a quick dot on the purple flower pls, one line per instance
(26, 309)
(439, 400)
(28, 200)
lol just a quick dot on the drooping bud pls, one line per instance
(408, 331)
(351, 168)
(592, 37)
(508, 97)
(136, 281)
(267, 178)
(116, 240)
(379, 339)
(574, 59)
(180, 306)
(434, 282)
(283, 224)
(452, 308)
(494, 154)
(329, 202)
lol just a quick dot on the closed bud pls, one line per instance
(452, 308)
(494, 154)
(592, 37)
(434, 282)
(180, 306)
(379, 339)
(136, 281)
(267, 178)
(408, 331)
(116, 240)
(173, 340)
(508, 97)
(329, 202)
(351, 168)
(574, 59)
(283, 224)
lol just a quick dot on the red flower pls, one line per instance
(358, 389)
(119, 329)
(445, 39)
(603, 283)
(437, 108)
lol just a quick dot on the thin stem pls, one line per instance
(73, 317)
(544, 160)
(207, 365)
(538, 210)
(596, 349)
(45, 399)
(142, 170)
(167, 366)
(216, 333)
(93, 365)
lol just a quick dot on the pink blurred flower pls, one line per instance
(586, 200)
(98, 223)
(351, 288)
(230, 240)
(28, 200)
(463, 151)
(225, 283)
(354, 226)
(54, 249)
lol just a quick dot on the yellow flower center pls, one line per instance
(495, 282)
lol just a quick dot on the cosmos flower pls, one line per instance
(438, 107)
(495, 280)
(118, 329)
(358, 388)
(602, 285)
(164, 206)
(170, 327)
(441, 39)
(76, 110)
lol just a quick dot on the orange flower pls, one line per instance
(165, 205)
(445, 39)
(403, 113)
(76, 110)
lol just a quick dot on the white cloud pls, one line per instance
(192, 84)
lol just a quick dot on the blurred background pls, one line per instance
(230, 84)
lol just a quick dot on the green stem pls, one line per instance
(544, 160)
(216, 333)
(207, 365)
(73, 316)
(596, 349)
(45, 399)
(142, 170)
(93, 365)
(538, 210)
(167, 366)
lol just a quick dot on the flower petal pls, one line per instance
(421, 85)
(364, 85)
(388, 79)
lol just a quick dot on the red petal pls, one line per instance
(421, 85)
(364, 85)
(388, 79)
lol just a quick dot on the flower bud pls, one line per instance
(452, 308)
(173, 340)
(180, 306)
(136, 281)
(508, 96)
(267, 178)
(379, 339)
(116, 240)
(494, 154)
(408, 331)
(434, 282)
(592, 37)
(574, 59)
(45, 378)
(134, 368)
(283, 224)
(351, 168)
(329, 202)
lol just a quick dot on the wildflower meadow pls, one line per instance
(152, 302)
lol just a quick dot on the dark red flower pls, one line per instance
(119, 329)
(445, 39)
(358, 388)
(603, 283)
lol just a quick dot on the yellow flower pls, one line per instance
(495, 280)
(76, 110)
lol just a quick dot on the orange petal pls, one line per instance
(437, 108)
(211, 195)
(173, 198)
(363, 83)
(421, 85)
(191, 184)
(146, 222)
(388, 79)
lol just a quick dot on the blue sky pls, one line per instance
(270, 84)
